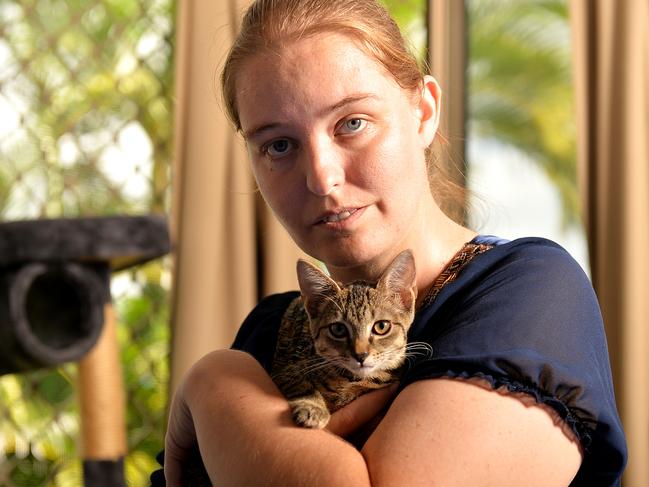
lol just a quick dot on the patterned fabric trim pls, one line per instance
(453, 269)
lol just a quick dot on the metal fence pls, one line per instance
(85, 130)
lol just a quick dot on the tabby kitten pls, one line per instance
(337, 342)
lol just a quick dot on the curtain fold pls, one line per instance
(611, 66)
(447, 55)
(228, 249)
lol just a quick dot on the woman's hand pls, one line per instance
(181, 446)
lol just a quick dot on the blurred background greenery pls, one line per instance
(86, 104)
(86, 94)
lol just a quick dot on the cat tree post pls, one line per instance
(55, 307)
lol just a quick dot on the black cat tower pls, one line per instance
(55, 307)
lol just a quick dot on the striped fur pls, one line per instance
(337, 342)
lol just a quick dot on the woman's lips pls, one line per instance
(340, 219)
(337, 217)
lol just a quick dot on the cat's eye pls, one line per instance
(381, 327)
(338, 330)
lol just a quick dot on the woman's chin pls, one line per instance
(349, 252)
(356, 263)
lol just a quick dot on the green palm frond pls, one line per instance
(520, 85)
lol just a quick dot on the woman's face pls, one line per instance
(337, 148)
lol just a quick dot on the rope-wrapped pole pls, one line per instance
(102, 402)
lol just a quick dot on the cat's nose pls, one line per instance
(361, 357)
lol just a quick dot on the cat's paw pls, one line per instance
(310, 416)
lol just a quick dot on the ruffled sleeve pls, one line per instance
(524, 316)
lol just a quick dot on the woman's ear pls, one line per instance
(428, 110)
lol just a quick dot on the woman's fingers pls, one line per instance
(361, 411)
(179, 440)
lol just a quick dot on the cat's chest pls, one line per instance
(339, 391)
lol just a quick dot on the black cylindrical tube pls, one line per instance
(50, 313)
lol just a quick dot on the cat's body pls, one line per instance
(337, 342)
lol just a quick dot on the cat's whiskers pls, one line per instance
(305, 366)
(389, 358)
(419, 348)
(315, 365)
(337, 361)
(340, 367)
(415, 350)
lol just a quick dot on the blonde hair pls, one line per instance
(269, 24)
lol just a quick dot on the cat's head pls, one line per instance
(359, 326)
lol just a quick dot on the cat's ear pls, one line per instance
(315, 285)
(400, 279)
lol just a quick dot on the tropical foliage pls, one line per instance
(85, 97)
(520, 85)
(411, 17)
(519, 81)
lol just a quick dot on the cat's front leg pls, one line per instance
(310, 411)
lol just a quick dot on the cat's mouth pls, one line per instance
(362, 370)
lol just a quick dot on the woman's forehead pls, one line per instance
(321, 70)
(318, 53)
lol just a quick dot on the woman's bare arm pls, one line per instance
(437, 432)
(245, 431)
(454, 432)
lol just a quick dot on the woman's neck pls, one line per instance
(438, 254)
(434, 240)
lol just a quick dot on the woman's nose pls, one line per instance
(324, 169)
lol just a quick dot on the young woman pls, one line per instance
(338, 121)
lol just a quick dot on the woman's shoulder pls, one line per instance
(530, 266)
(529, 286)
(524, 316)
(527, 249)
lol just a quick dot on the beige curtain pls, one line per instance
(611, 60)
(228, 249)
(447, 60)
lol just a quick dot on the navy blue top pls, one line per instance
(522, 315)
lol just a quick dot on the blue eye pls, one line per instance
(278, 148)
(353, 125)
